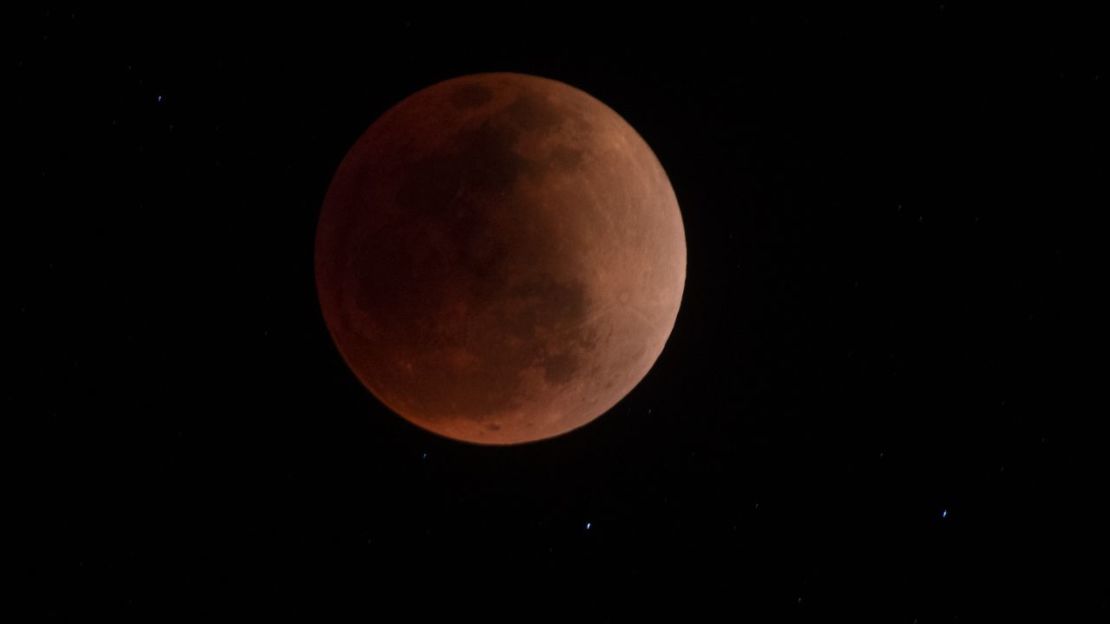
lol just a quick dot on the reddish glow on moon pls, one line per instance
(500, 258)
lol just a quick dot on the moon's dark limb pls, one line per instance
(500, 258)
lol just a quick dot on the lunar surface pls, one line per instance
(500, 258)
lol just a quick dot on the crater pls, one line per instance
(565, 158)
(534, 113)
(478, 161)
(545, 305)
(488, 158)
(471, 96)
(560, 368)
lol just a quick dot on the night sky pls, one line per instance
(872, 405)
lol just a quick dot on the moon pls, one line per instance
(500, 258)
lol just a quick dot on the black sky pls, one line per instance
(872, 404)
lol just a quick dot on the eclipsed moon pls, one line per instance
(500, 258)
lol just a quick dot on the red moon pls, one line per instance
(500, 258)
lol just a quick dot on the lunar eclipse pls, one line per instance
(500, 258)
